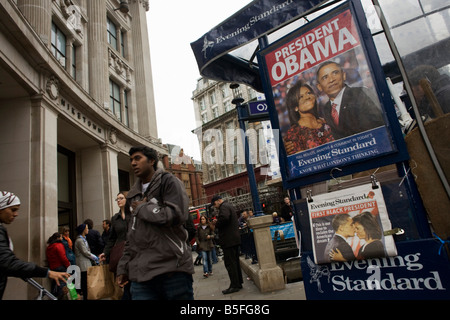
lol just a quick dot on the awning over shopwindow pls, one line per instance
(225, 53)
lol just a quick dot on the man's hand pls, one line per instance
(136, 204)
(122, 280)
(58, 276)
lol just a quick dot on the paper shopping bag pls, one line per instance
(99, 282)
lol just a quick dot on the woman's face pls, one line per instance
(203, 220)
(121, 200)
(360, 232)
(306, 101)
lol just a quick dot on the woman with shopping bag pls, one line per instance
(114, 246)
(84, 257)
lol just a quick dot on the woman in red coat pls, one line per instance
(57, 259)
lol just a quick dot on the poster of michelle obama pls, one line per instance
(326, 98)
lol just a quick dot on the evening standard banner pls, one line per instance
(328, 109)
(349, 225)
(260, 17)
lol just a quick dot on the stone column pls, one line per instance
(98, 53)
(269, 276)
(145, 100)
(110, 180)
(43, 177)
(99, 184)
(38, 13)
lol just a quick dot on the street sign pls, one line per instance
(258, 109)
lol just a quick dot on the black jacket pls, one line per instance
(338, 242)
(117, 232)
(359, 112)
(228, 226)
(11, 266)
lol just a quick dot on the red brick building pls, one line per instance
(190, 173)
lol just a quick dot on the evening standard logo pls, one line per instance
(207, 43)
(339, 201)
(389, 281)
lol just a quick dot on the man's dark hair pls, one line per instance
(108, 222)
(292, 98)
(325, 64)
(89, 223)
(338, 220)
(370, 224)
(150, 153)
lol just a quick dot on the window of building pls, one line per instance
(212, 98)
(73, 69)
(223, 171)
(126, 119)
(225, 90)
(112, 33)
(202, 103)
(212, 174)
(228, 106)
(122, 43)
(114, 96)
(58, 40)
(204, 118)
(215, 111)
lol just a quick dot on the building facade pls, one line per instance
(76, 93)
(222, 146)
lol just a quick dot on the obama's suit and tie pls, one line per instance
(358, 112)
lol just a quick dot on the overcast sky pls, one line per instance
(172, 26)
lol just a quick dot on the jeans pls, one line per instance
(168, 286)
(207, 261)
(214, 255)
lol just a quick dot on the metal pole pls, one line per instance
(250, 172)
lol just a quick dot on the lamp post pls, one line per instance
(241, 108)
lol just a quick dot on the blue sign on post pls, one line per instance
(258, 108)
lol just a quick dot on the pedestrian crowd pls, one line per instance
(146, 244)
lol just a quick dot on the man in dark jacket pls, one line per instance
(156, 258)
(350, 110)
(229, 240)
(343, 227)
(94, 238)
(10, 265)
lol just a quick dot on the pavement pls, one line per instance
(211, 288)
